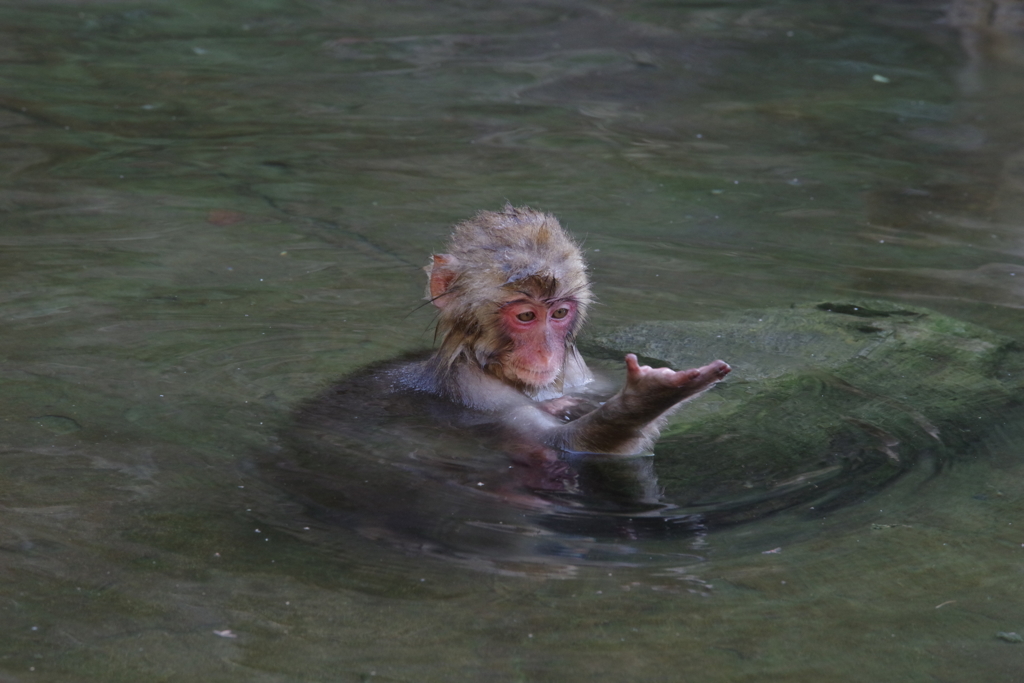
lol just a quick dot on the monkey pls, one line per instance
(512, 293)
(503, 410)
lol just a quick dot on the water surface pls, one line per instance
(213, 211)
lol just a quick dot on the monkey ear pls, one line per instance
(442, 273)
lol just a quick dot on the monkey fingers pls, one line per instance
(652, 391)
(699, 378)
(694, 378)
(567, 408)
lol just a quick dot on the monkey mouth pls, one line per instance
(535, 378)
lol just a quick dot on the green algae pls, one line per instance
(832, 399)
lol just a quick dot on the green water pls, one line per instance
(210, 211)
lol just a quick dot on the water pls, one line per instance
(212, 211)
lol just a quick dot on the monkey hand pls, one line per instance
(567, 408)
(653, 391)
(629, 422)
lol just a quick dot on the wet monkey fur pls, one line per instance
(512, 292)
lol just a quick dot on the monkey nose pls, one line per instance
(552, 362)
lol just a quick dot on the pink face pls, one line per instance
(538, 330)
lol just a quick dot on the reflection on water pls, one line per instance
(210, 213)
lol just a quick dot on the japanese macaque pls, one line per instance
(512, 292)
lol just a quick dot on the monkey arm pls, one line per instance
(628, 422)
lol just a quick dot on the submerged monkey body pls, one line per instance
(512, 293)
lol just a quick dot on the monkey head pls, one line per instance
(512, 292)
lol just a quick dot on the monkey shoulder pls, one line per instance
(371, 393)
(463, 385)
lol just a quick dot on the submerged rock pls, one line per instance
(826, 403)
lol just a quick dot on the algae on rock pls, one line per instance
(825, 403)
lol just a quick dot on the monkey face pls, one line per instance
(539, 331)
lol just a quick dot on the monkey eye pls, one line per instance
(526, 316)
(560, 313)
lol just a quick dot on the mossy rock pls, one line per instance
(826, 402)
